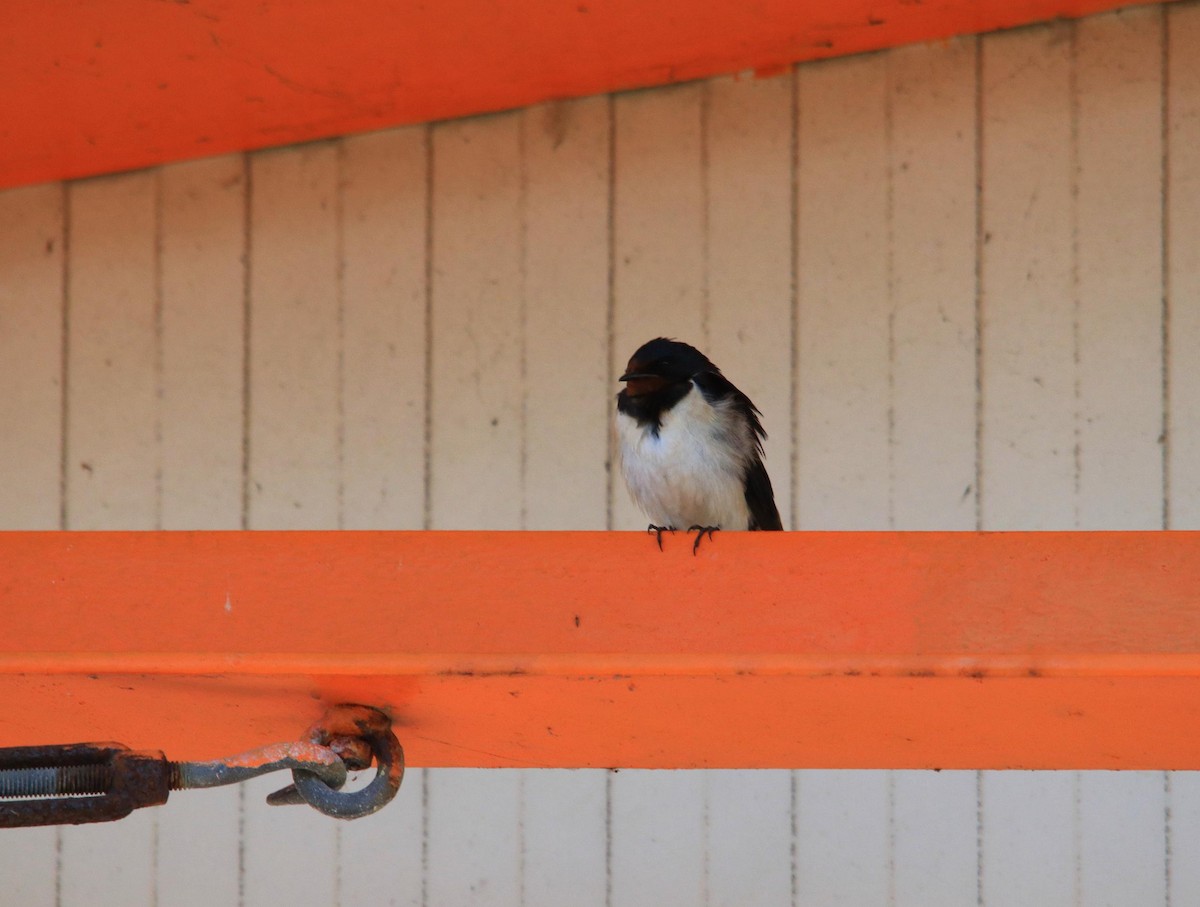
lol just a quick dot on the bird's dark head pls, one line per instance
(662, 364)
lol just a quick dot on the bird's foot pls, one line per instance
(658, 531)
(703, 531)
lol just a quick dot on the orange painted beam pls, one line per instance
(96, 86)
(904, 650)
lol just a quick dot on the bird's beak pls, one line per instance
(640, 383)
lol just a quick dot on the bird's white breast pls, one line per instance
(692, 471)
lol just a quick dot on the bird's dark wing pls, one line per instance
(716, 386)
(760, 497)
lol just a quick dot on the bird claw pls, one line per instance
(658, 531)
(703, 531)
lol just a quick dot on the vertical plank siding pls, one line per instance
(960, 281)
(565, 179)
(1118, 270)
(477, 313)
(383, 180)
(32, 255)
(842, 298)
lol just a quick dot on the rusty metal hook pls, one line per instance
(345, 733)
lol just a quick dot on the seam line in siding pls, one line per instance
(1165, 260)
(610, 318)
(65, 354)
(247, 249)
(794, 290)
(339, 226)
(1076, 282)
(427, 453)
(705, 116)
(247, 252)
(158, 375)
(523, 313)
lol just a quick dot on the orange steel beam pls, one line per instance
(855, 650)
(96, 86)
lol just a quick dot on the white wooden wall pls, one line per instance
(962, 281)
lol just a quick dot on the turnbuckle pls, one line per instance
(99, 782)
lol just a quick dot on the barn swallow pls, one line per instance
(690, 445)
